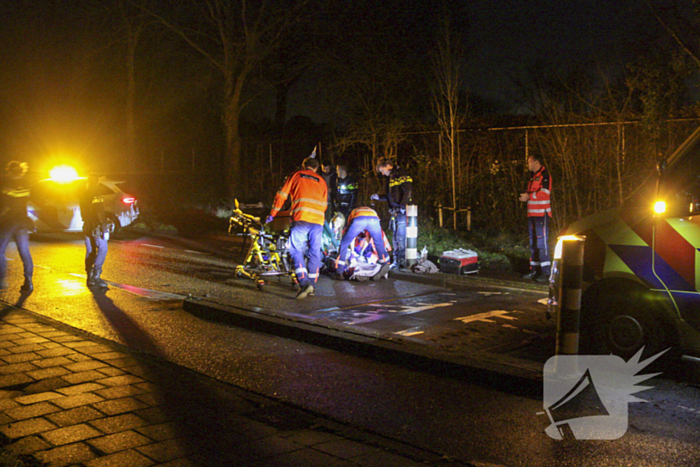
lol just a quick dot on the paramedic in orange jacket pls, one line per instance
(539, 214)
(309, 195)
(361, 219)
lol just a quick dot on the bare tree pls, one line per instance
(235, 37)
(448, 61)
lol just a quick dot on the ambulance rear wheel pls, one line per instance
(623, 322)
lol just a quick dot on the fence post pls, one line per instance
(411, 234)
(571, 279)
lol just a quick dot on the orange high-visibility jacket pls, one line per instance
(309, 195)
(540, 189)
(360, 211)
(364, 211)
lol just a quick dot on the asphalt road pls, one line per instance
(461, 414)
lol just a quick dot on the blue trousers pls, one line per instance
(306, 240)
(539, 244)
(359, 225)
(14, 231)
(95, 253)
(399, 238)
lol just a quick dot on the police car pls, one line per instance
(641, 268)
(54, 206)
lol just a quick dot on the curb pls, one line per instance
(486, 366)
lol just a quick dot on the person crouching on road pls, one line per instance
(309, 194)
(361, 219)
(96, 230)
(14, 222)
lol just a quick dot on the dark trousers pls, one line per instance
(359, 225)
(95, 253)
(539, 244)
(399, 237)
(15, 231)
(306, 240)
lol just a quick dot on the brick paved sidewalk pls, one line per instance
(67, 399)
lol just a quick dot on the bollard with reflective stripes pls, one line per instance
(411, 234)
(571, 280)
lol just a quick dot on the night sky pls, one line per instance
(50, 91)
(506, 37)
(509, 35)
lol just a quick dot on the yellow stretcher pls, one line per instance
(267, 254)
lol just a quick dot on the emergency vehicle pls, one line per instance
(642, 267)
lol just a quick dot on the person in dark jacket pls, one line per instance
(346, 192)
(14, 222)
(96, 230)
(330, 177)
(398, 189)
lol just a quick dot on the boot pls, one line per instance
(28, 286)
(96, 279)
(90, 278)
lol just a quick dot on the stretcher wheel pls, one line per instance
(259, 283)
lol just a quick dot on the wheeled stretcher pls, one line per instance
(267, 254)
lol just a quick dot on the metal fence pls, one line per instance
(593, 166)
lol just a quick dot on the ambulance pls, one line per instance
(641, 273)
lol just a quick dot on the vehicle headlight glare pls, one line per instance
(660, 207)
(63, 174)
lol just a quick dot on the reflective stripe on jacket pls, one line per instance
(361, 211)
(540, 189)
(398, 189)
(309, 194)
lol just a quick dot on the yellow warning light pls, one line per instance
(63, 174)
(660, 207)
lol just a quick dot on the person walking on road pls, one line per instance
(398, 190)
(309, 194)
(14, 222)
(361, 219)
(96, 230)
(539, 214)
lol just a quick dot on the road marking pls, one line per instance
(488, 294)
(152, 294)
(485, 316)
(408, 333)
(153, 246)
(407, 310)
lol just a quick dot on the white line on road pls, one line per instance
(152, 294)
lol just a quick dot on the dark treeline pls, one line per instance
(206, 100)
